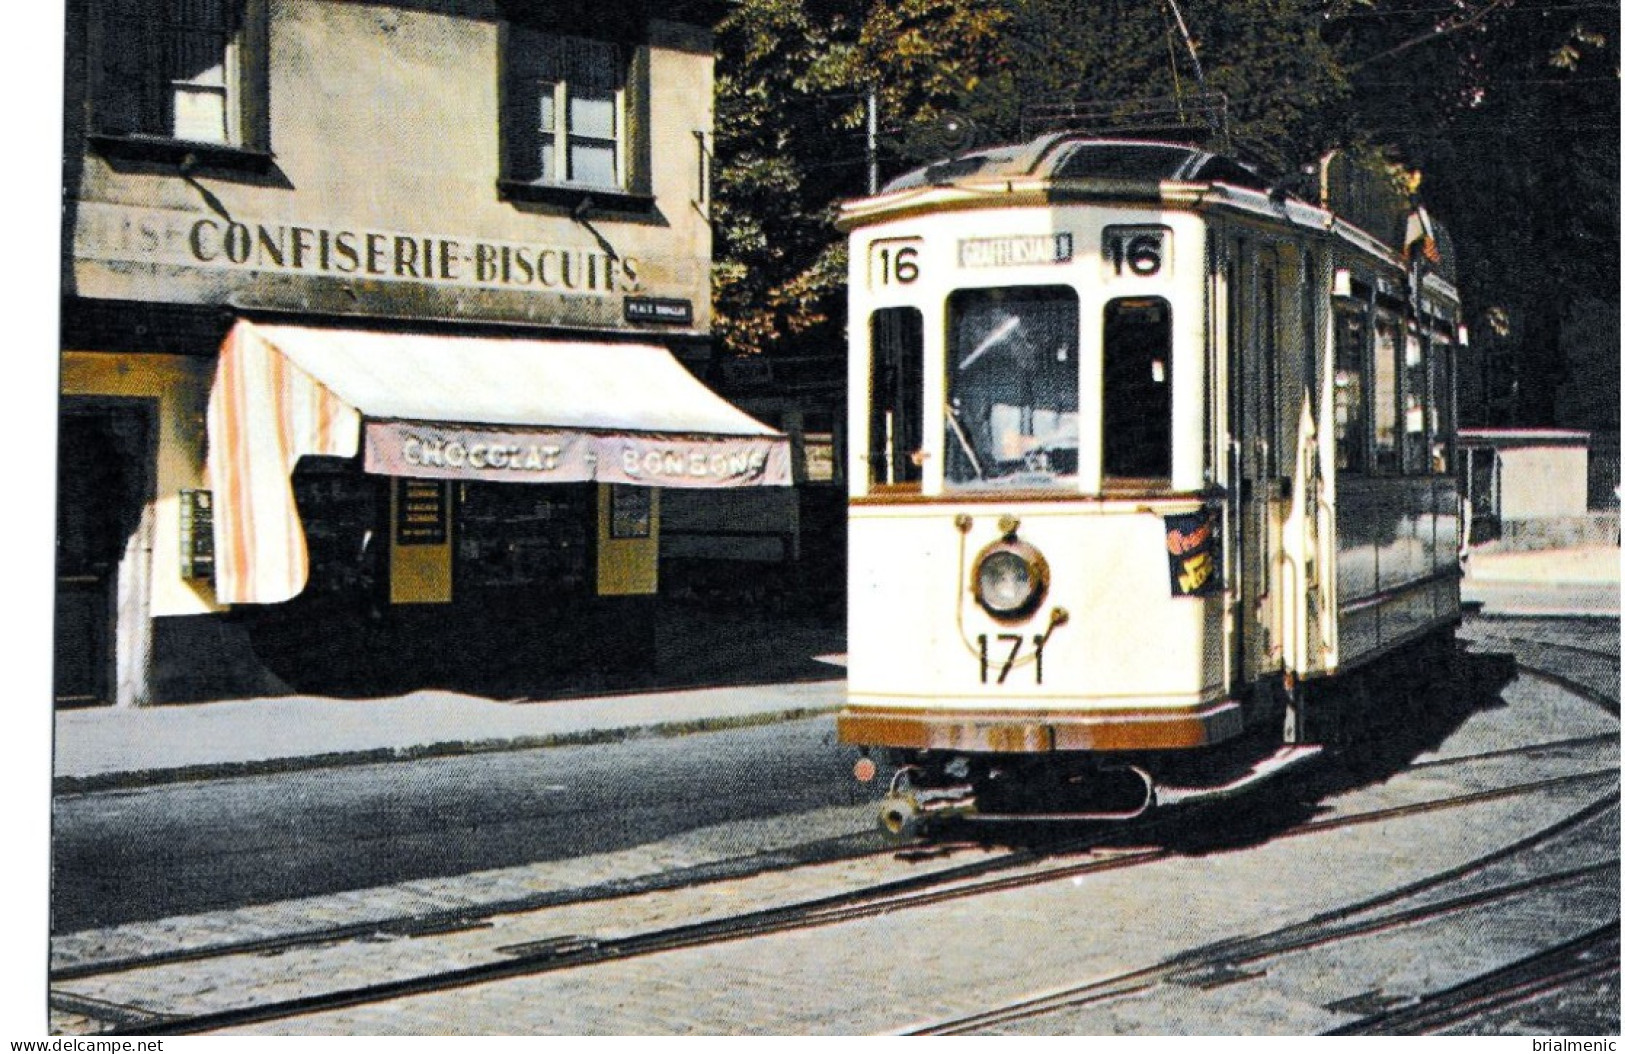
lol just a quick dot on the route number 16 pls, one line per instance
(1137, 251)
(894, 262)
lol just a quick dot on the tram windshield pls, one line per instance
(1012, 393)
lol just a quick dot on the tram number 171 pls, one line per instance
(1016, 642)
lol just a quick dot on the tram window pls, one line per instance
(1442, 425)
(1348, 392)
(1414, 379)
(897, 386)
(1385, 396)
(1137, 390)
(1310, 313)
(1012, 396)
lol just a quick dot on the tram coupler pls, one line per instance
(908, 813)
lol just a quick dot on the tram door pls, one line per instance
(1255, 384)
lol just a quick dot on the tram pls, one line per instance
(1147, 456)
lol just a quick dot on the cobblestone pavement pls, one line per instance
(913, 966)
(553, 879)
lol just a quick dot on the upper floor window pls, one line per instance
(184, 71)
(574, 90)
(571, 117)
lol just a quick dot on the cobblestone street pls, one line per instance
(904, 969)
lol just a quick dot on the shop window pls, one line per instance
(344, 515)
(527, 536)
(570, 110)
(1012, 399)
(897, 394)
(1349, 391)
(1385, 396)
(177, 78)
(1137, 390)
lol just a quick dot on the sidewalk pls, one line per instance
(103, 747)
(785, 668)
(1583, 580)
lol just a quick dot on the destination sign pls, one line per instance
(1018, 250)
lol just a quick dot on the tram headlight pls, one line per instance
(1010, 579)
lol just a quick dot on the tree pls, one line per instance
(780, 89)
(792, 91)
(1511, 111)
(1266, 57)
(795, 77)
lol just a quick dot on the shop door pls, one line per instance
(102, 485)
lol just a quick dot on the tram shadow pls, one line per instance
(1408, 719)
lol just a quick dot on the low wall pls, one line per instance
(1556, 532)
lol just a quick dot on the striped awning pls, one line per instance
(444, 407)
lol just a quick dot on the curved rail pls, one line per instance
(951, 883)
(1591, 955)
(878, 900)
(1330, 927)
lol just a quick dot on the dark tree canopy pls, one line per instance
(1507, 110)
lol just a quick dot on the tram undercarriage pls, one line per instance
(1345, 716)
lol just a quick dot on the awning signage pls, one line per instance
(451, 408)
(427, 451)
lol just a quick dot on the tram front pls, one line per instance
(1037, 565)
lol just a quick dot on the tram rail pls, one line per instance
(940, 887)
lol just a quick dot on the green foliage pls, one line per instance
(1509, 110)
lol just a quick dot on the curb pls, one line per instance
(139, 778)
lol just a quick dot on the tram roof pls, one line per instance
(1064, 156)
(1144, 169)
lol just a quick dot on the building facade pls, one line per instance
(370, 329)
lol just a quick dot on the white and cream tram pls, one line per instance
(1144, 454)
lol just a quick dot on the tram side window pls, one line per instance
(1348, 392)
(1385, 396)
(1414, 378)
(897, 387)
(1443, 422)
(1137, 390)
(1012, 409)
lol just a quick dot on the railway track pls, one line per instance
(1006, 872)
(520, 961)
(1596, 679)
(1591, 956)
(824, 851)
(1596, 954)
(1242, 957)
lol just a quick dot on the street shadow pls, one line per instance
(1417, 718)
(530, 653)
